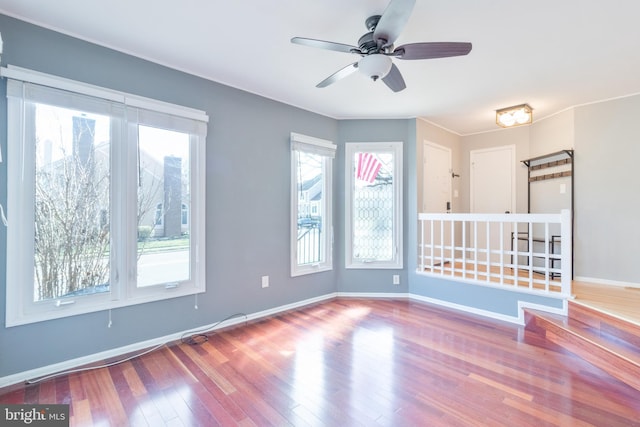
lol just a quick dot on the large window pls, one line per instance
(105, 198)
(374, 205)
(311, 214)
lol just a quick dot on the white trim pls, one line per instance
(326, 150)
(467, 309)
(49, 80)
(374, 295)
(397, 149)
(312, 144)
(424, 119)
(142, 345)
(616, 283)
(563, 311)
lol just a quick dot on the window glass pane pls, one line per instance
(310, 179)
(373, 206)
(72, 209)
(163, 207)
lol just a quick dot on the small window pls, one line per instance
(311, 208)
(374, 205)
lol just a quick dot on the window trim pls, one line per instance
(396, 148)
(327, 150)
(123, 292)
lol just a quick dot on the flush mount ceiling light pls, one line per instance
(514, 116)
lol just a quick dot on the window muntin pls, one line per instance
(374, 205)
(311, 212)
(72, 183)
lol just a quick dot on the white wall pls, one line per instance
(552, 134)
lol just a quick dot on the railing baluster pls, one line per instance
(475, 250)
(422, 245)
(501, 224)
(452, 244)
(432, 247)
(464, 249)
(547, 263)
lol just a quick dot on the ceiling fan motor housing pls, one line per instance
(367, 44)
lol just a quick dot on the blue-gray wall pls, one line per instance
(363, 280)
(248, 178)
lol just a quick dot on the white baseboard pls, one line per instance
(143, 345)
(372, 295)
(596, 281)
(467, 309)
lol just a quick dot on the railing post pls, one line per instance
(566, 263)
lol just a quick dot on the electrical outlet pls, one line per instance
(265, 281)
(396, 279)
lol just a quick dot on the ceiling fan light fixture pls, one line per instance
(514, 116)
(375, 66)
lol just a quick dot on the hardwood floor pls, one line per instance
(349, 362)
(623, 302)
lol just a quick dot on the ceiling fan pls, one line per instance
(376, 48)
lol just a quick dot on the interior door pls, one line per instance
(436, 196)
(492, 185)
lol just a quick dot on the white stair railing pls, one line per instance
(522, 252)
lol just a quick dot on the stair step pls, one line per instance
(612, 347)
(606, 323)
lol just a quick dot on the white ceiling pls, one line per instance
(551, 54)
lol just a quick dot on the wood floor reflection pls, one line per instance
(349, 362)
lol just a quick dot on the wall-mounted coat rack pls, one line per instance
(560, 165)
(553, 160)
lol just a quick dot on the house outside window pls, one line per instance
(311, 207)
(374, 205)
(86, 168)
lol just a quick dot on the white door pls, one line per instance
(493, 180)
(436, 193)
(492, 185)
(436, 197)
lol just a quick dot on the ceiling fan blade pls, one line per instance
(394, 79)
(393, 20)
(431, 50)
(338, 75)
(321, 44)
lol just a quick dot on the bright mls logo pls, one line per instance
(34, 415)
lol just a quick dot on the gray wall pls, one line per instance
(367, 280)
(607, 191)
(248, 176)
